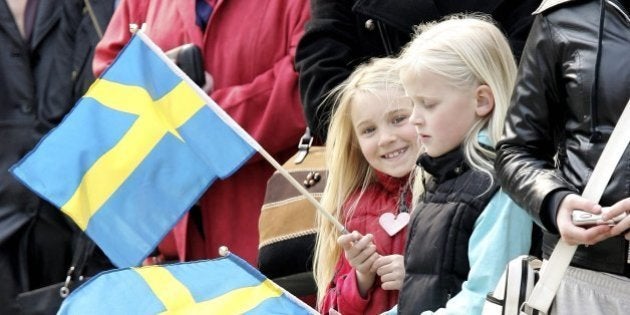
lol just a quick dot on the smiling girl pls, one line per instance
(371, 150)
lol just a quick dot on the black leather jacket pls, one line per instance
(554, 132)
(343, 33)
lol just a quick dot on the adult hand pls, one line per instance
(622, 227)
(391, 269)
(576, 235)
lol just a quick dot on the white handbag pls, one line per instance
(514, 286)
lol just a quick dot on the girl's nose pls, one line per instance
(386, 137)
(416, 117)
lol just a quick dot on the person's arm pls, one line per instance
(534, 125)
(502, 232)
(324, 58)
(360, 253)
(268, 107)
(343, 295)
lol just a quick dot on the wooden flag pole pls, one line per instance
(303, 190)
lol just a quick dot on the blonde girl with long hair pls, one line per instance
(371, 149)
(459, 73)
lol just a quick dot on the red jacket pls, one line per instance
(343, 292)
(248, 48)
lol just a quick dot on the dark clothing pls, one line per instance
(83, 36)
(344, 33)
(436, 254)
(552, 113)
(36, 87)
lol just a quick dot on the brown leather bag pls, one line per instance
(287, 223)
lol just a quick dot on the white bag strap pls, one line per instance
(553, 270)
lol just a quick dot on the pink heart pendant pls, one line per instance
(393, 224)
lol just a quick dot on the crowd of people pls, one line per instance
(476, 124)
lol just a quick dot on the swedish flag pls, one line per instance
(226, 285)
(135, 153)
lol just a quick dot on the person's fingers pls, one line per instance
(390, 271)
(392, 279)
(384, 269)
(576, 235)
(361, 245)
(365, 265)
(394, 284)
(591, 236)
(621, 227)
(576, 202)
(364, 241)
(388, 275)
(382, 261)
(345, 241)
(348, 240)
(620, 207)
(395, 264)
(391, 285)
(597, 234)
(364, 254)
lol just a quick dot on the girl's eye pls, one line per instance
(368, 130)
(365, 130)
(429, 105)
(424, 104)
(400, 119)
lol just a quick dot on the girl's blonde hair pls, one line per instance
(467, 50)
(348, 170)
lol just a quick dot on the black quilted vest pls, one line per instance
(436, 255)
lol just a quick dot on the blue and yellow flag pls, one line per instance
(137, 150)
(226, 285)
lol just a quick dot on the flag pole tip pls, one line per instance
(133, 27)
(224, 251)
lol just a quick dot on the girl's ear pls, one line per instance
(485, 100)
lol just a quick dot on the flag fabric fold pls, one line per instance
(135, 153)
(226, 285)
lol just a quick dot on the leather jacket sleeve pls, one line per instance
(525, 161)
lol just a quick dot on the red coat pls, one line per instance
(343, 292)
(249, 48)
